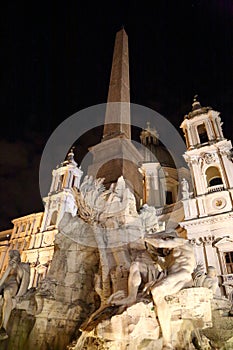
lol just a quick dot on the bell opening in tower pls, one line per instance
(213, 176)
(203, 136)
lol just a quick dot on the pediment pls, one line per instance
(225, 243)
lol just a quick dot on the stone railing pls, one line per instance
(228, 279)
(227, 283)
(216, 188)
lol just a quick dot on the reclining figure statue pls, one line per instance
(178, 266)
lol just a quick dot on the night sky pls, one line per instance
(56, 60)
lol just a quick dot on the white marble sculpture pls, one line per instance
(177, 264)
(231, 299)
(89, 198)
(142, 270)
(14, 283)
(149, 219)
(114, 207)
(120, 205)
(164, 273)
(131, 270)
(180, 263)
(208, 280)
(185, 189)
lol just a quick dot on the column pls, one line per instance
(209, 129)
(52, 187)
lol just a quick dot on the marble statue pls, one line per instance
(208, 280)
(231, 299)
(14, 283)
(113, 207)
(149, 218)
(138, 265)
(120, 205)
(171, 271)
(143, 270)
(110, 208)
(89, 198)
(180, 262)
(185, 189)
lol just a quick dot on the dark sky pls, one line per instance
(56, 60)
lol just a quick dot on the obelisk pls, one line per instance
(116, 155)
(117, 118)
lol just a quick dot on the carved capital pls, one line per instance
(204, 240)
(193, 242)
(207, 240)
(194, 160)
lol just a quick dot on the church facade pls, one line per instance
(208, 209)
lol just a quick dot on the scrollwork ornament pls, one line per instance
(229, 154)
(209, 158)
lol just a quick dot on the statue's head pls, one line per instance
(211, 271)
(14, 256)
(169, 234)
(90, 179)
(120, 186)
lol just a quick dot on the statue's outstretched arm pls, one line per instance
(163, 243)
(25, 279)
(5, 275)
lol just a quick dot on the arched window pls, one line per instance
(203, 136)
(213, 176)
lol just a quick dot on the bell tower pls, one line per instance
(60, 198)
(202, 126)
(208, 209)
(208, 151)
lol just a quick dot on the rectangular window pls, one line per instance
(60, 183)
(203, 136)
(229, 262)
(169, 197)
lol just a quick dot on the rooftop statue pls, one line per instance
(185, 189)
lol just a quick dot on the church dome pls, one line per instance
(154, 150)
(163, 156)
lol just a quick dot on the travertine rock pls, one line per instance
(220, 334)
(137, 327)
